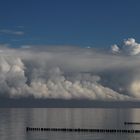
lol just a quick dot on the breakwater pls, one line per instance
(84, 130)
(131, 123)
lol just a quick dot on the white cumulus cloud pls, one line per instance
(129, 47)
(115, 49)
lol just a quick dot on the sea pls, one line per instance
(13, 123)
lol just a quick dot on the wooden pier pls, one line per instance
(83, 130)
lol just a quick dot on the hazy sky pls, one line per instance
(95, 23)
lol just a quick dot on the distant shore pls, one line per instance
(60, 103)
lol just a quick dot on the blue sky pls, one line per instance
(96, 23)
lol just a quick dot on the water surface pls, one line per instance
(13, 123)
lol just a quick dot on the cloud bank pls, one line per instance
(57, 72)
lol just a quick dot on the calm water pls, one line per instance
(13, 122)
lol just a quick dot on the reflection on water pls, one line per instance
(14, 121)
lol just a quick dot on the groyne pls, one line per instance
(131, 123)
(84, 130)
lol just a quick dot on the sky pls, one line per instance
(94, 23)
(70, 50)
